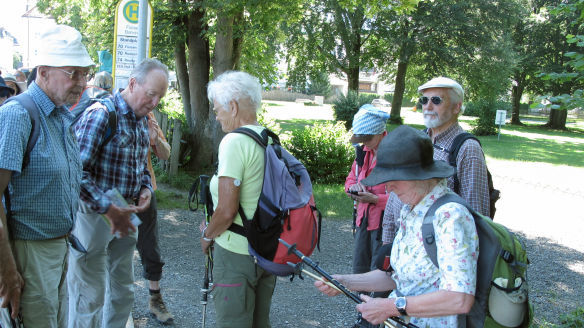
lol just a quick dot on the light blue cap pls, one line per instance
(369, 120)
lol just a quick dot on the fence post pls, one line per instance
(175, 148)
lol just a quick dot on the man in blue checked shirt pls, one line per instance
(101, 277)
(43, 193)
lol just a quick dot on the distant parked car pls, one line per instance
(380, 103)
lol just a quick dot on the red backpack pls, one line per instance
(285, 210)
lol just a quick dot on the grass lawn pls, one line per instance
(529, 143)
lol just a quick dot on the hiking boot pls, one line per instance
(158, 309)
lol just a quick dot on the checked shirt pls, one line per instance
(121, 163)
(471, 171)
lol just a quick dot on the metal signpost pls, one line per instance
(127, 39)
(500, 120)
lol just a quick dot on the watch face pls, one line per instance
(400, 302)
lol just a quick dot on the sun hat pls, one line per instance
(3, 86)
(60, 45)
(367, 122)
(508, 308)
(443, 82)
(22, 87)
(406, 154)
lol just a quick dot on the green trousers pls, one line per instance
(242, 290)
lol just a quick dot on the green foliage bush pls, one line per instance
(324, 149)
(485, 125)
(388, 97)
(474, 108)
(268, 121)
(366, 98)
(345, 107)
(574, 319)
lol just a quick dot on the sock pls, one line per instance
(154, 292)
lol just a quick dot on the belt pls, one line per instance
(60, 237)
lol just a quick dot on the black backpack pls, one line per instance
(494, 194)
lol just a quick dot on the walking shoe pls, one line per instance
(158, 309)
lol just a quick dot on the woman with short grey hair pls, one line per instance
(242, 289)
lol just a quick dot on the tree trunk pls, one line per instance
(516, 94)
(227, 43)
(182, 76)
(353, 78)
(557, 119)
(398, 93)
(203, 150)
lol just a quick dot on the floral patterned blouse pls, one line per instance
(457, 245)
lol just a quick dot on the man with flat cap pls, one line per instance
(442, 105)
(43, 185)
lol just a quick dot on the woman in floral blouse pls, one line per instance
(428, 295)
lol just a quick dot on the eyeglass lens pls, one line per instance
(436, 100)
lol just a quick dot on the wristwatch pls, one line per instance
(400, 304)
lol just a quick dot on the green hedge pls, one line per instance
(325, 151)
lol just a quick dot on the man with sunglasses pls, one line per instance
(441, 102)
(43, 184)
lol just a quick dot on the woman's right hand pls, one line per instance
(326, 289)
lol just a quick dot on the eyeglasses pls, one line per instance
(76, 75)
(436, 100)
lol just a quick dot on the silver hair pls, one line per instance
(140, 72)
(235, 85)
(104, 80)
(456, 98)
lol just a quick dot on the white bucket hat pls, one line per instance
(508, 308)
(443, 82)
(60, 45)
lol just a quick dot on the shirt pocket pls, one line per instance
(122, 140)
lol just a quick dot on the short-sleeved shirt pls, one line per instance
(44, 195)
(457, 253)
(240, 158)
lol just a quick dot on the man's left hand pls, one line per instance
(144, 201)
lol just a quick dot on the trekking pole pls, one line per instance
(337, 285)
(207, 284)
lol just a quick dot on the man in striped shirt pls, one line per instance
(102, 227)
(442, 104)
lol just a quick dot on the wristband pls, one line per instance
(203, 236)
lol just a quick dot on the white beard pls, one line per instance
(431, 120)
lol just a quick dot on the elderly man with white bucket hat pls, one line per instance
(441, 102)
(42, 182)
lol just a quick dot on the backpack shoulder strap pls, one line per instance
(453, 154)
(456, 144)
(261, 140)
(112, 121)
(28, 103)
(428, 234)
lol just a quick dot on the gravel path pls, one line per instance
(552, 234)
(541, 202)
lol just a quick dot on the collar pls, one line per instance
(121, 104)
(44, 103)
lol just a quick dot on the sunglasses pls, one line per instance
(436, 100)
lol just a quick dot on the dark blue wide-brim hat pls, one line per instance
(406, 154)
